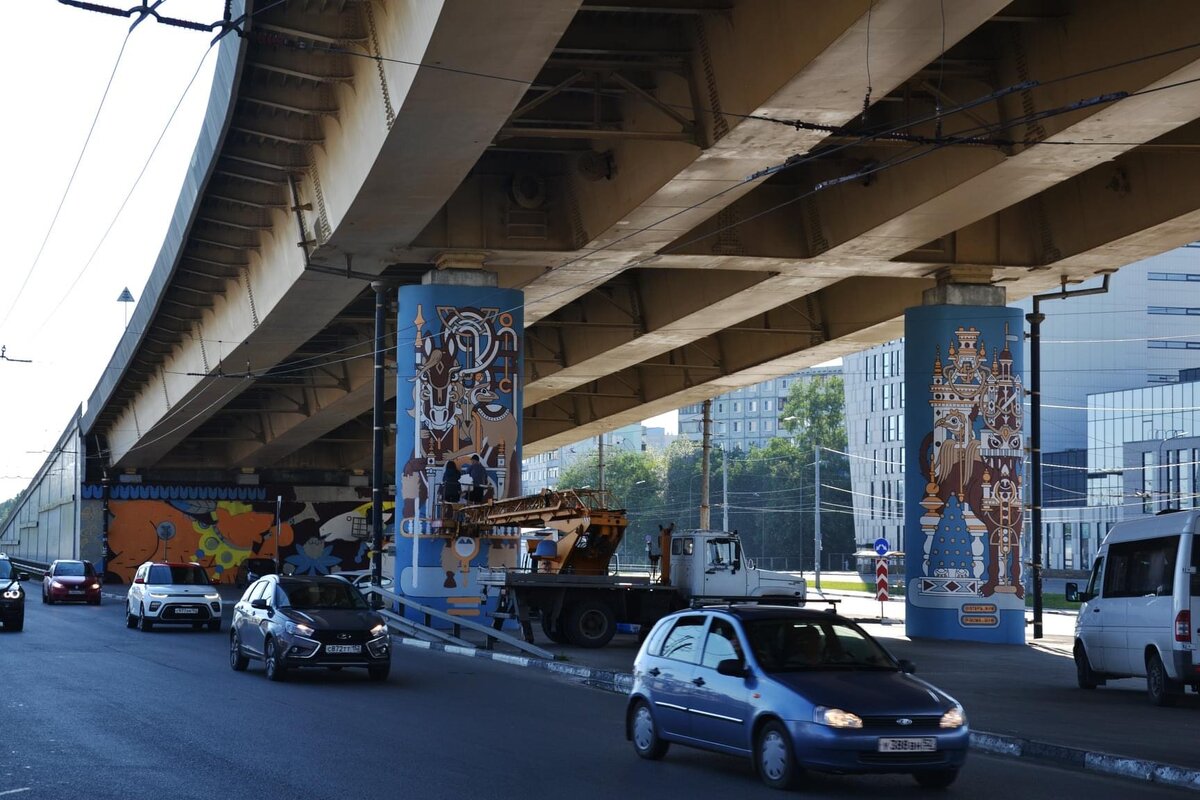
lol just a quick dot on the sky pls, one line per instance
(56, 63)
(66, 318)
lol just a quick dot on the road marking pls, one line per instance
(14, 791)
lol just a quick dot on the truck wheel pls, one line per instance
(553, 632)
(590, 623)
(1160, 689)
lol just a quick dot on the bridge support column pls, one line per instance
(964, 457)
(459, 382)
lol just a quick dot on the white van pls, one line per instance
(1141, 607)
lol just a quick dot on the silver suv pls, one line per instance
(172, 593)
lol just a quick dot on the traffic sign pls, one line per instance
(881, 579)
(882, 546)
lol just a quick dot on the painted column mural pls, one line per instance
(964, 474)
(459, 388)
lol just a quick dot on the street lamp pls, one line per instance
(1166, 475)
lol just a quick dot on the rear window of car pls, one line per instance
(183, 574)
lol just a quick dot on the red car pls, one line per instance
(71, 580)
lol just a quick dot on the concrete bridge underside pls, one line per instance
(598, 155)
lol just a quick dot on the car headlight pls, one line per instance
(12, 594)
(212, 596)
(379, 630)
(836, 718)
(159, 596)
(94, 586)
(56, 584)
(954, 718)
(298, 628)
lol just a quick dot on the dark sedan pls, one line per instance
(793, 690)
(300, 622)
(71, 580)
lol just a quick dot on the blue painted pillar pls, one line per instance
(964, 467)
(459, 384)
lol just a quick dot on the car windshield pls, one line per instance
(70, 569)
(6, 570)
(180, 574)
(792, 645)
(306, 596)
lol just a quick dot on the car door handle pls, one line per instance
(698, 681)
(654, 673)
(1095, 611)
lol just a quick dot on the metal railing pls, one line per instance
(425, 629)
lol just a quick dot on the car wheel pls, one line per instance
(553, 632)
(130, 620)
(49, 599)
(379, 672)
(43, 595)
(590, 623)
(18, 623)
(1084, 675)
(644, 733)
(215, 626)
(1161, 690)
(237, 659)
(936, 780)
(95, 602)
(143, 623)
(774, 758)
(275, 670)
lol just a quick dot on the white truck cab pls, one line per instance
(710, 564)
(1141, 607)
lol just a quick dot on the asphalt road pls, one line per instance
(92, 709)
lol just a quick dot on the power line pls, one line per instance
(70, 182)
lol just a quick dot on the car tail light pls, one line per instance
(1183, 626)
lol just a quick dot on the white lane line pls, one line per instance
(14, 791)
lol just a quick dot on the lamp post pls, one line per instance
(1166, 475)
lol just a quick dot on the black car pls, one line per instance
(252, 569)
(12, 596)
(297, 622)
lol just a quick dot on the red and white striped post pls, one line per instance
(881, 583)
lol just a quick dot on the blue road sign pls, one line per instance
(882, 547)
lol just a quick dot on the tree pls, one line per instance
(9, 505)
(634, 479)
(815, 416)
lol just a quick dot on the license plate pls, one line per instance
(186, 610)
(923, 744)
(75, 591)
(343, 648)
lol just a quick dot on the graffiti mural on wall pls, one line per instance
(966, 508)
(459, 395)
(319, 533)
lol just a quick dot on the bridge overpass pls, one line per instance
(600, 156)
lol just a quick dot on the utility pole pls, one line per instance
(724, 488)
(817, 514)
(377, 441)
(600, 461)
(705, 449)
(1035, 434)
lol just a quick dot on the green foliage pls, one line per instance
(770, 489)
(8, 506)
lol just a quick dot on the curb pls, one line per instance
(982, 741)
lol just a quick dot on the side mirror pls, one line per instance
(260, 603)
(139, 580)
(22, 576)
(1074, 595)
(906, 666)
(733, 667)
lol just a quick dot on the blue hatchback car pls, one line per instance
(794, 689)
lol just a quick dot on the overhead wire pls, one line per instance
(16, 297)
